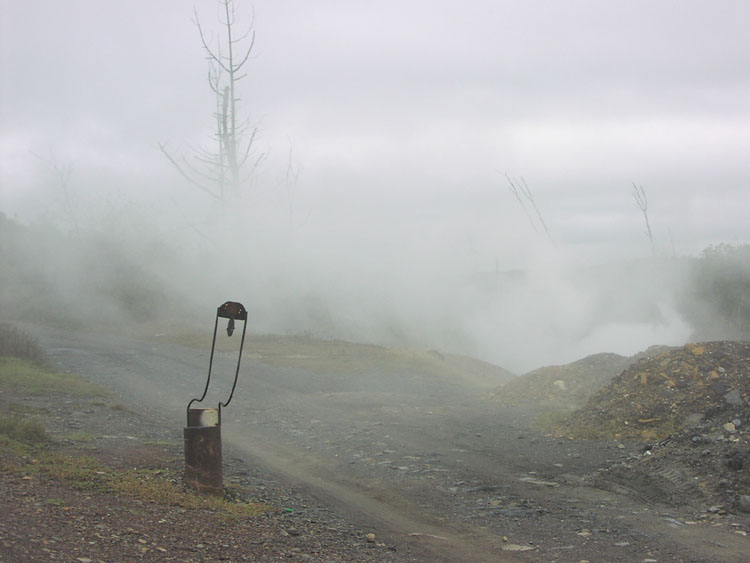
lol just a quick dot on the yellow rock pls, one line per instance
(670, 381)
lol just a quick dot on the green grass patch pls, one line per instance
(162, 486)
(23, 430)
(81, 472)
(26, 377)
(16, 343)
(85, 437)
(21, 409)
(10, 450)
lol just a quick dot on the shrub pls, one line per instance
(23, 430)
(14, 342)
(718, 302)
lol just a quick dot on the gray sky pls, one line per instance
(403, 117)
(411, 107)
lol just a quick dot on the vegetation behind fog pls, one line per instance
(519, 320)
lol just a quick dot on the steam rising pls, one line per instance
(368, 278)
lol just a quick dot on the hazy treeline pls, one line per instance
(77, 278)
(717, 300)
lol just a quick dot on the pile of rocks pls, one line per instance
(702, 386)
(686, 416)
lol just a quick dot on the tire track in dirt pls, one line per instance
(385, 510)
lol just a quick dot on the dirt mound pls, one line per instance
(657, 397)
(690, 408)
(564, 387)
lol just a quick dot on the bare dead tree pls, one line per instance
(515, 191)
(521, 191)
(641, 202)
(223, 170)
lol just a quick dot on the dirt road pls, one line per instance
(425, 463)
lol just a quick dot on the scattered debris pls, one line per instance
(659, 396)
(517, 547)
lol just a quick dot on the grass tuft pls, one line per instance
(16, 343)
(23, 430)
(82, 437)
(26, 377)
(158, 486)
(163, 487)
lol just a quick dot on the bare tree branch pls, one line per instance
(641, 202)
(530, 197)
(177, 166)
(514, 189)
(522, 192)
